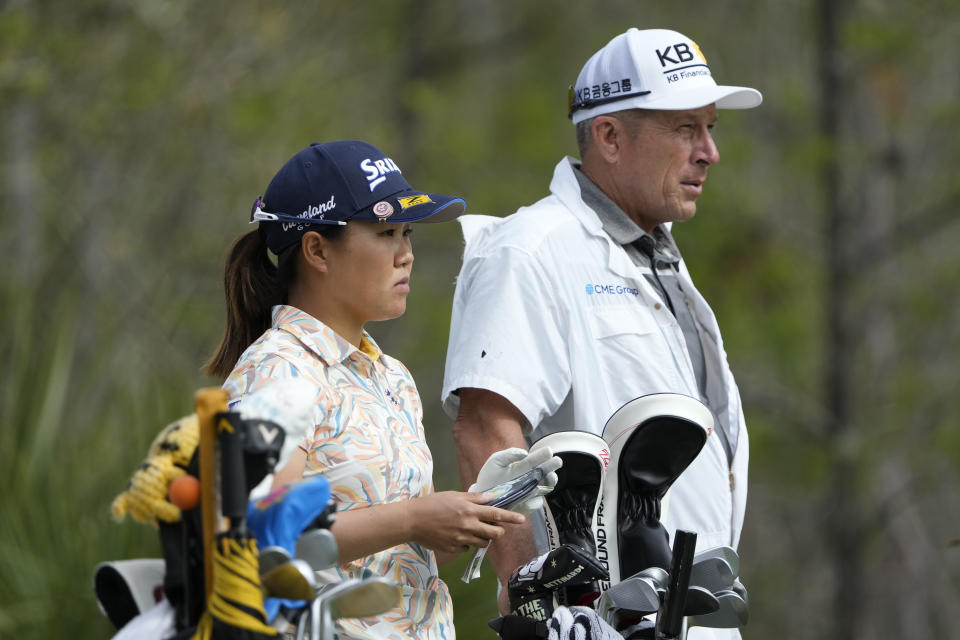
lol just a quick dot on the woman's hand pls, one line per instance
(448, 522)
(451, 521)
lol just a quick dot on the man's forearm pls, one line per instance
(515, 548)
(485, 424)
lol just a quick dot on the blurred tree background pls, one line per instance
(137, 133)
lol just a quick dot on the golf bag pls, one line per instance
(174, 453)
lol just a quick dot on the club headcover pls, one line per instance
(533, 587)
(571, 510)
(280, 518)
(127, 588)
(262, 441)
(652, 439)
(513, 627)
(579, 623)
(279, 415)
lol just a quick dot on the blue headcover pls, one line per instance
(279, 518)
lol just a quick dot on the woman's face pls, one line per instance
(369, 272)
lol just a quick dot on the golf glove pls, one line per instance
(504, 466)
(579, 623)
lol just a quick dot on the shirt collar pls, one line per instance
(323, 341)
(618, 224)
(565, 188)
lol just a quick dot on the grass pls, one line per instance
(61, 463)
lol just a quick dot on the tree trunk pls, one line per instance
(841, 504)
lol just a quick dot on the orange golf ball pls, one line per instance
(184, 492)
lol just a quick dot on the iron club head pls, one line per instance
(350, 599)
(699, 602)
(294, 580)
(725, 553)
(318, 548)
(731, 614)
(660, 579)
(740, 590)
(362, 598)
(637, 595)
(712, 573)
(271, 558)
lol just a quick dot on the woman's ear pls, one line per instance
(314, 249)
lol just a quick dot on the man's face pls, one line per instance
(663, 163)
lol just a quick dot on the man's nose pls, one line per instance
(706, 152)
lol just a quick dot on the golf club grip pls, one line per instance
(684, 548)
(233, 495)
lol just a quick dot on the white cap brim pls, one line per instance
(724, 97)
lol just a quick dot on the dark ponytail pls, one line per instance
(253, 285)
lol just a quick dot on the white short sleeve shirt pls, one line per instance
(553, 315)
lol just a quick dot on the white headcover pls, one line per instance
(288, 403)
(681, 412)
(122, 583)
(583, 443)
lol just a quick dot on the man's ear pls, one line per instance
(607, 132)
(314, 250)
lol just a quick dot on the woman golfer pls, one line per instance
(338, 217)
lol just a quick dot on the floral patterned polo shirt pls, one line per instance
(368, 440)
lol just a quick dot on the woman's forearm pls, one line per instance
(363, 532)
(448, 522)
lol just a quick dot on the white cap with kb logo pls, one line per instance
(651, 69)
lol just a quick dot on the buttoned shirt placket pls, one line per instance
(654, 252)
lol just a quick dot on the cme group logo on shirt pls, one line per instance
(611, 290)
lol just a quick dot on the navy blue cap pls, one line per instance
(333, 182)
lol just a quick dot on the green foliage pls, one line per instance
(474, 604)
(137, 134)
(60, 472)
